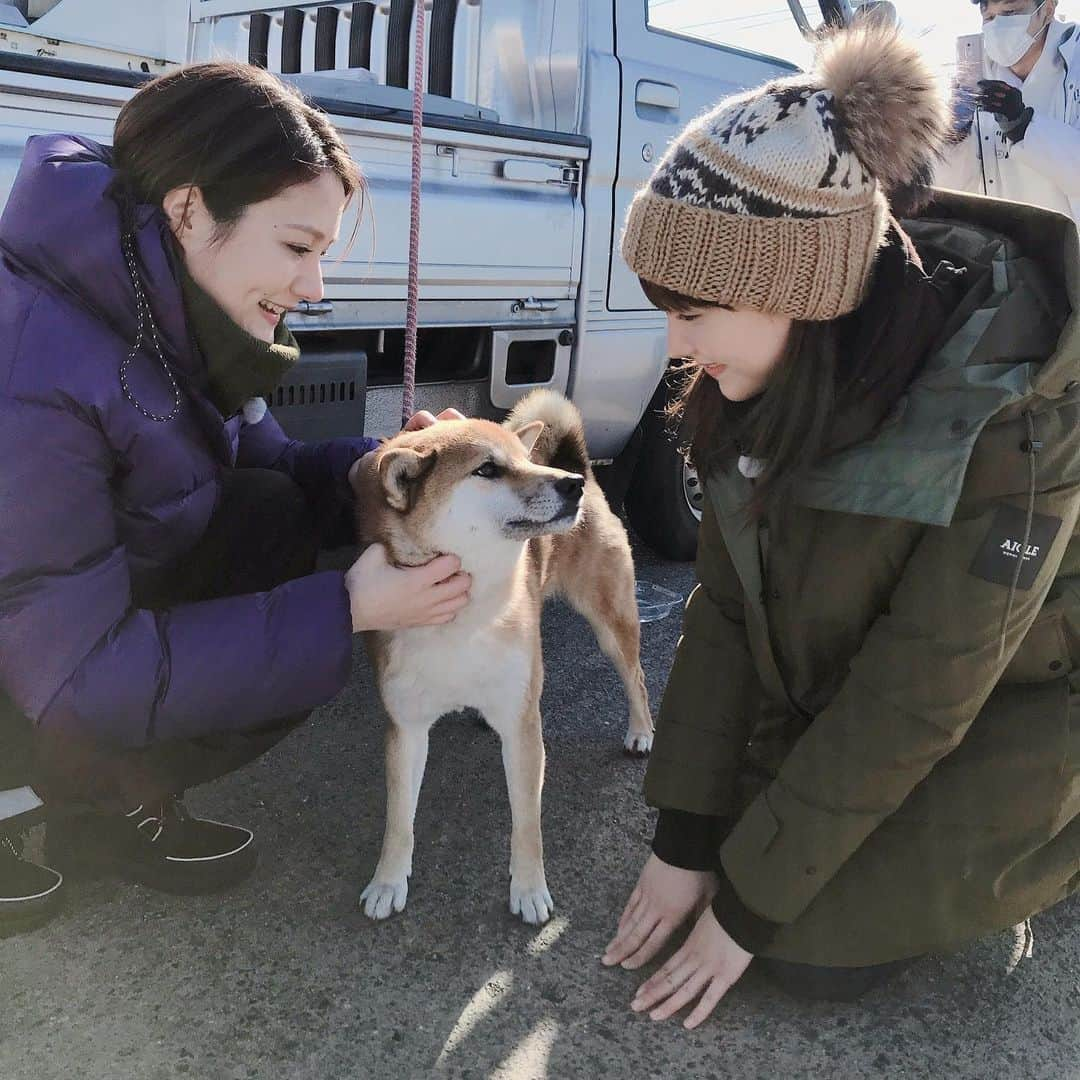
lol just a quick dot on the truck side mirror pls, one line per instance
(877, 12)
(843, 13)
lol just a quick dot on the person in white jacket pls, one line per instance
(1023, 141)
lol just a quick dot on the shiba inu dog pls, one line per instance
(518, 504)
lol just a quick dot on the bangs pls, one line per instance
(668, 300)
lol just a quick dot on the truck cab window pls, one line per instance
(766, 27)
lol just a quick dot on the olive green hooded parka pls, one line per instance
(890, 658)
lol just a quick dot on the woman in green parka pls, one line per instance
(869, 746)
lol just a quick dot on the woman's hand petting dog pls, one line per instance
(417, 422)
(422, 419)
(707, 966)
(387, 597)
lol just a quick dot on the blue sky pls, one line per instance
(767, 25)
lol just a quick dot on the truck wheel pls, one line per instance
(664, 499)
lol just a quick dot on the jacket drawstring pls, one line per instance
(145, 320)
(121, 193)
(1030, 446)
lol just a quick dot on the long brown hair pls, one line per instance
(235, 131)
(786, 428)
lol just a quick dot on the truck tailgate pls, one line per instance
(501, 205)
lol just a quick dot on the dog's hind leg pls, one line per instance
(614, 619)
(406, 756)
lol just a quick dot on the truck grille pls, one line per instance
(323, 395)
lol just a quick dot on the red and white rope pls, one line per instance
(409, 392)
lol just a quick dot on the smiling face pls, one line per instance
(739, 348)
(266, 262)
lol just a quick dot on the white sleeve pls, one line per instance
(1052, 147)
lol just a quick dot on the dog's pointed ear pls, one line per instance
(529, 434)
(399, 471)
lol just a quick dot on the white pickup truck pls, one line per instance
(541, 119)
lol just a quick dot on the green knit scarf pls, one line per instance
(238, 365)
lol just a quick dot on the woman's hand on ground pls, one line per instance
(424, 419)
(706, 967)
(661, 901)
(387, 597)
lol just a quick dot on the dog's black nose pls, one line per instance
(570, 487)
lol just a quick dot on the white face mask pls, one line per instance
(1006, 38)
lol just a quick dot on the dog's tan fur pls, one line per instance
(421, 498)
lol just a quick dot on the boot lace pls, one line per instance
(153, 820)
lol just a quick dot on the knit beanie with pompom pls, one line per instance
(778, 199)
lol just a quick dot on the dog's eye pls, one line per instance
(489, 471)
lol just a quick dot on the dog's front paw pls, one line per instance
(638, 744)
(381, 898)
(534, 905)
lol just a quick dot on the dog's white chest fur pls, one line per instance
(434, 670)
(484, 659)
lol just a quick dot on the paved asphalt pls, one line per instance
(285, 978)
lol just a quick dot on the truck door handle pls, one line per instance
(315, 307)
(532, 304)
(532, 172)
(659, 95)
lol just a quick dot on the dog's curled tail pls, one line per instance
(562, 442)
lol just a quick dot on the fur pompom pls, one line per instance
(890, 104)
(254, 409)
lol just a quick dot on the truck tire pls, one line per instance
(663, 501)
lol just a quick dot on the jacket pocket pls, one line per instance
(1043, 655)
(1010, 771)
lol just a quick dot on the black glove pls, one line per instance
(1007, 104)
(1000, 98)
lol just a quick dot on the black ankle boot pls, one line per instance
(161, 846)
(29, 894)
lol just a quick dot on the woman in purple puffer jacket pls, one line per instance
(161, 620)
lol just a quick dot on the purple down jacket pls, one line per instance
(94, 494)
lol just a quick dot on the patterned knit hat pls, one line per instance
(778, 199)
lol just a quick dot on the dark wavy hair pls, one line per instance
(787, 427)
(235, 131)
